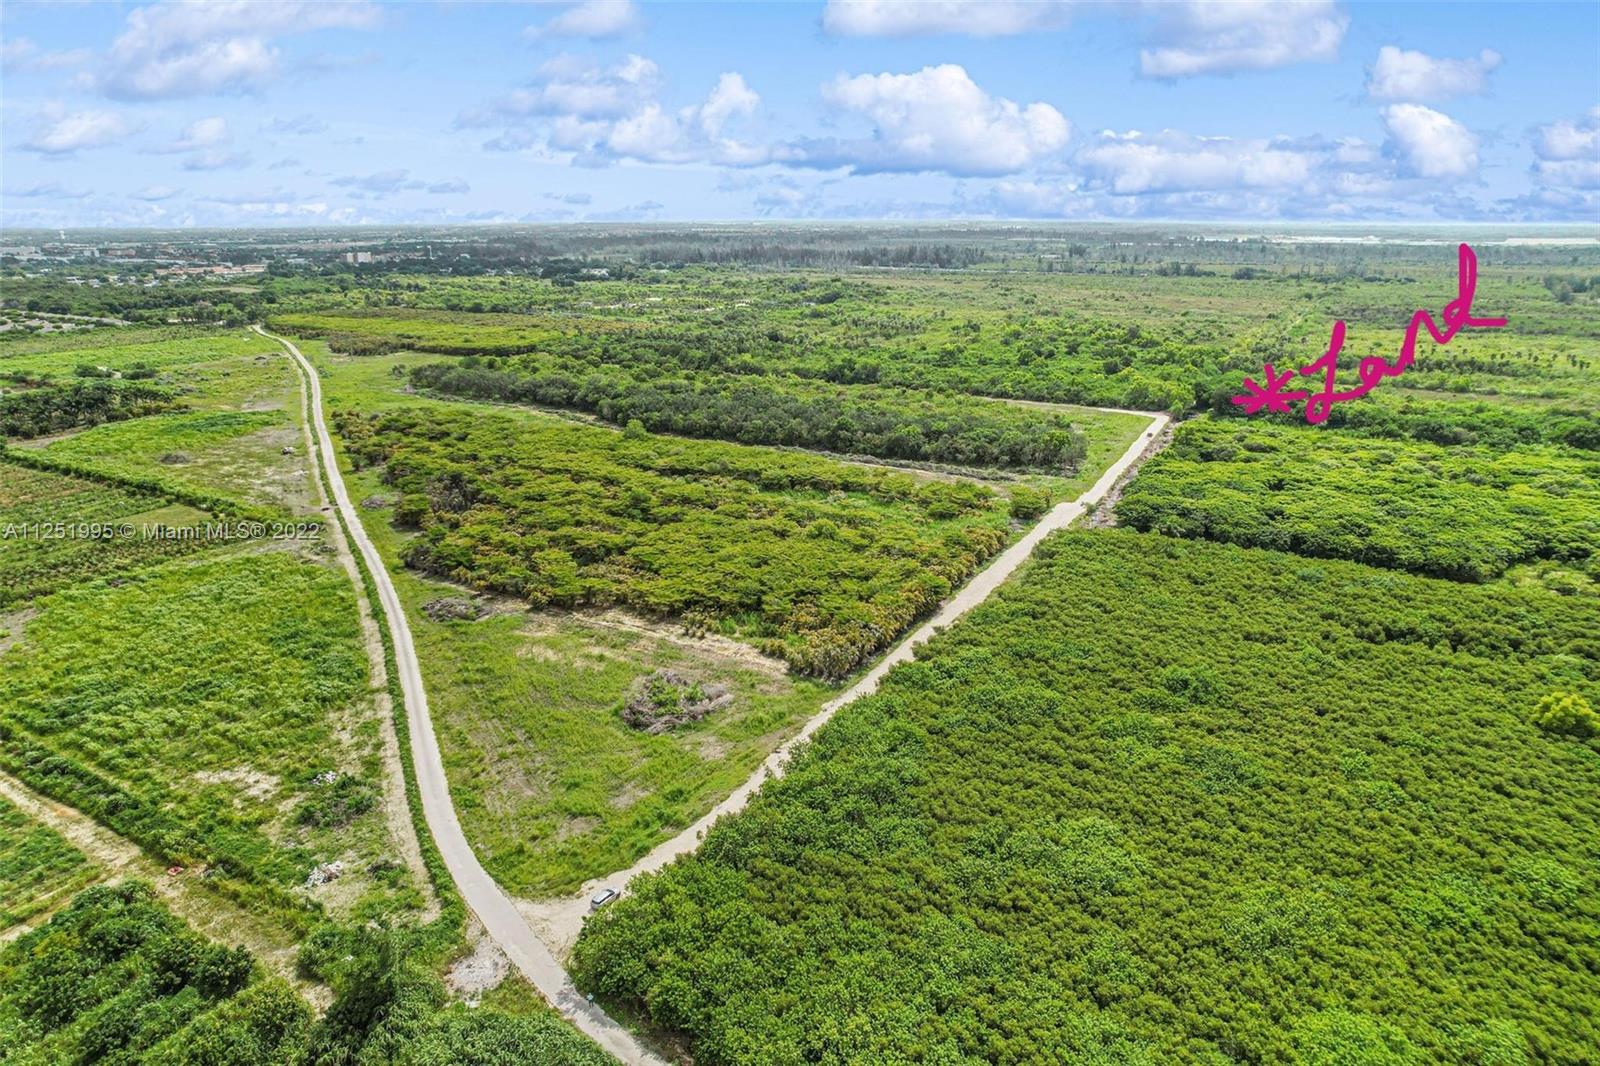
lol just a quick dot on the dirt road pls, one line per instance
(560, 920)
(483, 897)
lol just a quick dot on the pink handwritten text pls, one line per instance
(1274, 396)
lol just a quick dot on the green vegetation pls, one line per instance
(377, 332)
(57, 529)
(36, 412)
(38, 868)
(1567, 712)
(819, 562)
(181, 708)
(553, 787)
(865, 420)
(1161, 801)
(116, 978)
(1464, 512)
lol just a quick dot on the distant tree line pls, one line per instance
(888, 424)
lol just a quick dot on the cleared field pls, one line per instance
(373, 332)
(58, 529)
(192, 707)
(1153, 804)
(553, 785)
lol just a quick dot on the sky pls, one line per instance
(242, 113)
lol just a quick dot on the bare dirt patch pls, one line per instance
(711, 645)
(252, 783)
(478, 971)
(12, 623)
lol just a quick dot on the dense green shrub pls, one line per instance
(1463, 513)
(1167, 802)
(1567, 712)
(115, 977)
(864, 420)
(820, 562)
(57, 408)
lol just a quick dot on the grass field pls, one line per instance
(39, 869)
(246, 672)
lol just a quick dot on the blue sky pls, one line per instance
(244, 113)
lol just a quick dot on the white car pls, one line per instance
(602, 897)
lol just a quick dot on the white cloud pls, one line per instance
(20, 53)
(973, 18)
(153, 193)
(388, 182)
(1568, 152)
(1405, 75)
(1430, 144)
(937, 119)
(217, 159)
(1187, 37)
(730, 97)
(575, 88)
(1170, 161)
(594, 19)
(173, 49)
(600, 115)
(203, 133)
(1225, 36)
(60, 132)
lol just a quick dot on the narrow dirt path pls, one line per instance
(483, 896)
(511, 924)
(396, 809)
(208, 913)
(560, 920)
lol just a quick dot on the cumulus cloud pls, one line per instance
(217, 159)
(154, 193)
(1171, 161)
(973, 18)
(1225, 36)
(173, 49)
(202, 133)
(388, 182)
(574, 88)
(603, 114)
(1186, 37)
(936, 119)
(594, 19)
(60, 132)
(1406, 75)
(1428, 143)
(1568, 152)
